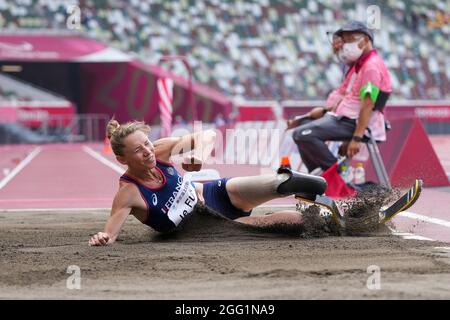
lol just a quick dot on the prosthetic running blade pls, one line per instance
(403, 203)
(387, 213)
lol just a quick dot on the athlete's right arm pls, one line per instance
(121, 208)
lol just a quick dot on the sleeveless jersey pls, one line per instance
(169, 204)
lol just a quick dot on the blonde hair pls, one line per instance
(116, 132)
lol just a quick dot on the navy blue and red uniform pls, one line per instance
(169, 204)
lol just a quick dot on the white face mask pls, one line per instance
(343, 58)
(350, 52)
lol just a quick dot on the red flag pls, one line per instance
(336, 186)
(165, 91)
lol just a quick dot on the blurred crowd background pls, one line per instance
(259, 49)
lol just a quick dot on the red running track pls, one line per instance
(441, 145)
(60, 176)
(68, 176)
(82, 176)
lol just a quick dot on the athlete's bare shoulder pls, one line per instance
(128, 195)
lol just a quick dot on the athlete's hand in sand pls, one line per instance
(99, 239)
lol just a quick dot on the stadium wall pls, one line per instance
(435, 115)
(128, 91)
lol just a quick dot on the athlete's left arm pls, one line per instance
(200, 144)
(120, 210)
(363, 121)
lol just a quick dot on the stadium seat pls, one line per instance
(284, 43)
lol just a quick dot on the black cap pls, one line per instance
(356, 26)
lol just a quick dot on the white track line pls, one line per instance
(411, 236)
(103, 160)
(412, 215)
(446, 249)
(19, 167)
(415, 216)
(408, 235)
(405, 214)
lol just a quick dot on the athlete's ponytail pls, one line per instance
(112, 126)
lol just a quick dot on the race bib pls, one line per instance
(184, 201)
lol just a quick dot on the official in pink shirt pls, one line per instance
(354, 109)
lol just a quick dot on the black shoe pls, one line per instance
(301, 184)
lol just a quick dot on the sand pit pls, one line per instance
(209, 259)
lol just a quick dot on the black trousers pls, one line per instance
(311, 136)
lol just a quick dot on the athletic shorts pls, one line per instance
(216, 198)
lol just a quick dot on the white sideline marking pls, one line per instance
(103, 160)
(20, 166)
(411, 236)
(446, 249)
(408, 235)
(415, 216)
(412, 215)
(407, 214)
